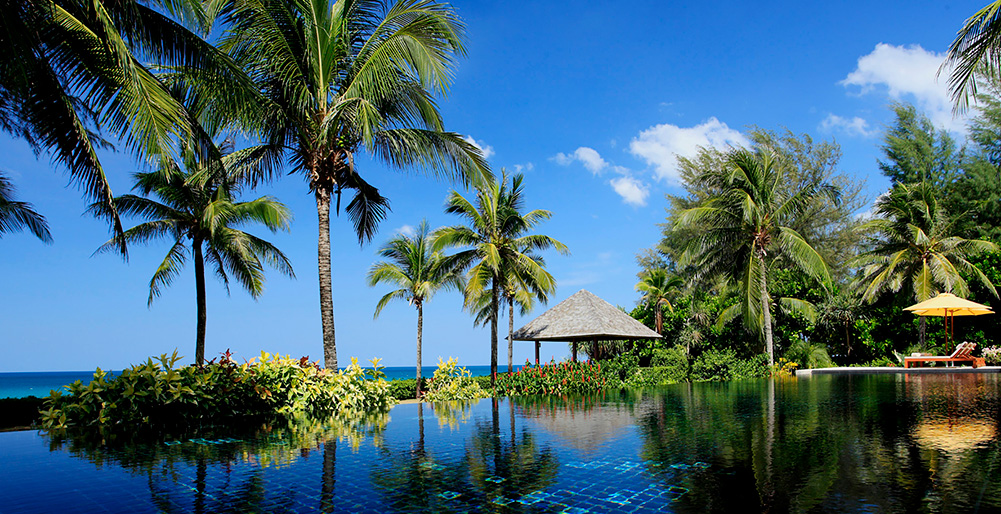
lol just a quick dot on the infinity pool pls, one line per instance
(881, 443)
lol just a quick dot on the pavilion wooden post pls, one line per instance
(537, 345)
(575, 351)
(594, 350)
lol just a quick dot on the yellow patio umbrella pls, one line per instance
(949, 306)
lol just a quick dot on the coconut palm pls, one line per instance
(418, 270)
(917, 249)
(976, 50)
(741, 231)
(197, 210)
(71, 65)
(333, 79)
(520, 289)
(16, 216)
(656, 285)
(495, 241)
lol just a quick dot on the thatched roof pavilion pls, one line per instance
(583, 317)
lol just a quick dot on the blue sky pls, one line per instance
(591, 100)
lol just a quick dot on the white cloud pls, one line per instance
(518, 168)
(909, 74)
(661, 145)
(484, 148)
(631, 190)
(589, 157)
(406, 230)
(853, 127)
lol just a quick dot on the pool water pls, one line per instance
(879, 443)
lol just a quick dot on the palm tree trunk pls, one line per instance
(200, 295)
(495, 303)
(420, 331)
(767, 313)
(922, 333)
(510, 336)
(659, 317)
(326, 294)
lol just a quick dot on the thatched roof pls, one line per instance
(584, 317)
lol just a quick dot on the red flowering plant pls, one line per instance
(556, 378)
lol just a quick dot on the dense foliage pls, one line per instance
(553, 378)
(158, 394)
(451, 382)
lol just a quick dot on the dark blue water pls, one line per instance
(881, 443)
(20, 385)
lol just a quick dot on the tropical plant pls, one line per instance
(158, 393)
(332, 79)
(916, 247)
(452, 382)
(497, 245)
(197, 210)
(519, 289)
(656, 285)
(16, 216)
(742, 230)
(73, 65)
(556, 378)
(975, 51)
(419, 271)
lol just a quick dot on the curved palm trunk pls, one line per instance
(510, 336)
(200, 294)
(495, 303)
(767, 313)
(326, 294)
(420, 332)
(659, 319)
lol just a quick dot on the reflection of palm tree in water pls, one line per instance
(329, 475)
(493, 466)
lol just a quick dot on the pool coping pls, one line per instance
(805, 373)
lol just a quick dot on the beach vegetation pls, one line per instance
(160, 394)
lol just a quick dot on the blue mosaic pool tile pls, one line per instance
(501, 500)
(495, 479)
(449, 495)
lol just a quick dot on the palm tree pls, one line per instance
(520, 289)
(16, 216)
(496, 241)
(743, 229)
(976, 50)
(418, 270)
(334, 79)
(917, 248)
(198, 212)
(656, 285)
(72, 65)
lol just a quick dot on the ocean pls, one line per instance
(39, 383)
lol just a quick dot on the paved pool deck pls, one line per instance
(806, 373)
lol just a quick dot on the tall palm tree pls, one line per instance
(656, 285)
(917, 248)
(332, 79)
(419, 271)
(519, 288)
(16, 216)
(198, 211)
(976, 50)
(70, 66)
(496, 240)
(742, 230)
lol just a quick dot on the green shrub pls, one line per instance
(716, 365)
(451, 382)
(406, 388)
(657, 376)
(557, 378)
(155, 393)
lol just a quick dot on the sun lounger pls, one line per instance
(962, 354)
